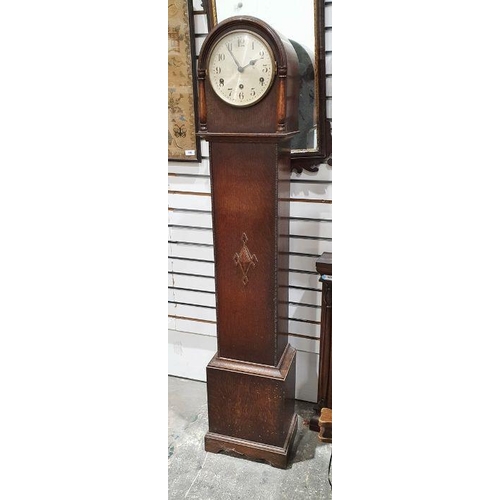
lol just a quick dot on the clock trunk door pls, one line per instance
(251, 293)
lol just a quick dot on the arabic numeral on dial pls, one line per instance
(261, 53)
(229, 91)
(221, 57)
(241, 42)
(241, 95)
(218, 70)
(265, 68)
(252, 92)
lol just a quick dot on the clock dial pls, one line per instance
(241, 68)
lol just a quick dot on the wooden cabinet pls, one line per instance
(324, 268)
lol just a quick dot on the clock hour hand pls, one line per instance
(240, 69)
(252, 62)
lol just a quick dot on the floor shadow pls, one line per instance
(306, 441)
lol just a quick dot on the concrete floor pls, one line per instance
(195, 474)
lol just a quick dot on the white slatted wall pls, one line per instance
(192, 318)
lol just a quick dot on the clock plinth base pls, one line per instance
(274, 455)
(251, 408)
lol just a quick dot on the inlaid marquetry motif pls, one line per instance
(245, 259)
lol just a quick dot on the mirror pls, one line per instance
(303, 23)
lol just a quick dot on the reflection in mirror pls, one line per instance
(197, 5)
(299, 28)
(306, 139)
(277, 13)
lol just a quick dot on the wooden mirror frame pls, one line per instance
(308, 160)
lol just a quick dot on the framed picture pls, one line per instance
(183, 145)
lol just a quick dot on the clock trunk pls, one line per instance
(250, 192)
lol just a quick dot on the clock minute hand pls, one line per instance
(240, 69)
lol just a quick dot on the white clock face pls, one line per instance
(241, 68)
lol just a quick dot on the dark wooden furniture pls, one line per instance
(324, 268)
(251, 379)
(325, 425)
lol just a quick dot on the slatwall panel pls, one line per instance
(192, 315)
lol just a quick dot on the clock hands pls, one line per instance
(228, 62)
(252, 62)
(240, 69)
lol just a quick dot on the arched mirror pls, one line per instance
(303, 23)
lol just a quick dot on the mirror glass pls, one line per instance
(294, 19)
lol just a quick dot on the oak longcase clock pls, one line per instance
(248, 82)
